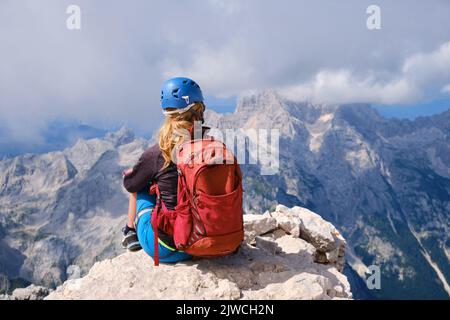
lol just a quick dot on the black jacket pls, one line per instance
(148, 170)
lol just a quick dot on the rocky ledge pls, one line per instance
(31, 292)
(287, 254)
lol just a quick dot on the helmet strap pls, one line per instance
(186, 109)
(178, 111)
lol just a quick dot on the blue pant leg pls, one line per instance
(146, 235)
(145, 200)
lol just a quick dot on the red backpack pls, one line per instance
(208, 219)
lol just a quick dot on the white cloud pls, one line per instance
(419, 74)
(227, 6)
(341, 86)
(424, 69)
(446, 88)
(224, 71)
(111, 70)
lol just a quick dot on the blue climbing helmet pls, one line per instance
(180, 93)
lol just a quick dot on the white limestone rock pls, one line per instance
(31, 292)
(255, 225)
(326, 239)
(270, 264)
(73, 272)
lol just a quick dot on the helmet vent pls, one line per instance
(185, 81)
(175, 93)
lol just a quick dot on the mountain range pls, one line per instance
(55, 135)
(385, 184)
(64, 208)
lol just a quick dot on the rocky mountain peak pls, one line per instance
(384, 181)
(122, 136)
(261, 110)
(290, 253)
(266, 100)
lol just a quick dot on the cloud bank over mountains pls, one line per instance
(422, 75)
(110, 71)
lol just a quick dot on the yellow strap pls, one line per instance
(165, 245)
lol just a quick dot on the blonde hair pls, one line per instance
(173, 131)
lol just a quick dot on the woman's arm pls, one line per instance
(131, 211)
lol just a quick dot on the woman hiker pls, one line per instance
(182, 104)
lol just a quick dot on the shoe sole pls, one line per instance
(125, 239)
(134, 246)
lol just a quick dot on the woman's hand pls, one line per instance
(127, 172)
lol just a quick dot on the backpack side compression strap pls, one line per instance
(154, 223)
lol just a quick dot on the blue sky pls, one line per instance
(410, 111)
(110, 71)
(221, 105)
(415, 110)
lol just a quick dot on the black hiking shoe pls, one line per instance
(130, 240)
